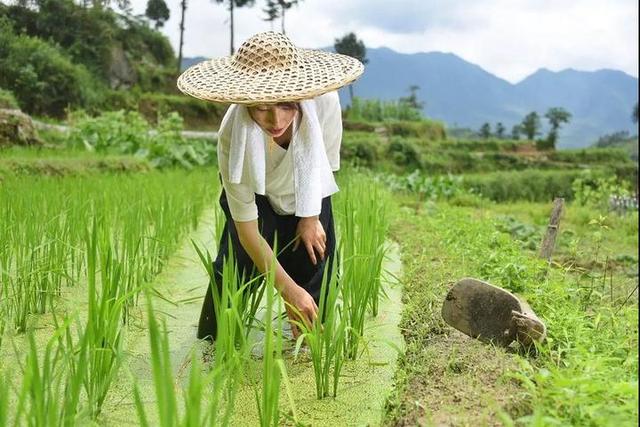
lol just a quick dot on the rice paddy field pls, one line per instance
(103, 271)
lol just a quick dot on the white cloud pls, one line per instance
(509, 38)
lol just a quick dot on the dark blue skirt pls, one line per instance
(296, 263)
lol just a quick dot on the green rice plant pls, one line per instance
(42, 221)
(273, 364)
(363, 230)
(326, 337)
(204, 396)
(235, 305)
(104, 329)
(51, 383)
(162, 375)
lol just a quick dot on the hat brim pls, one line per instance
(314, 73)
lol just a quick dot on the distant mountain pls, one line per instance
(463, 94)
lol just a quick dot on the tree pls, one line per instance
(158, 11)
(530, 125)
(232, 4)
(556, 116)
(485, 130)
(284, 6)
(515, 132)
(183, 6)
(412, 99)
(634, 115)
(271, 11)
(500, 130)
(350, 45)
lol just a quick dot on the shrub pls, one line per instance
(594, 189)
(196, 113)
(360, 148)
(423, 129)
(120, 132)
(43, 79)
(358, 126)
(591, 155)
(375, 110)
(404, 153)
(7, 100)
(532, 185)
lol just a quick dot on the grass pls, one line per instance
(585, 373)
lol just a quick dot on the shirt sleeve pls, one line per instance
(240, 197)
(330, 115)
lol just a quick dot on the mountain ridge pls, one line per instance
(463, 94)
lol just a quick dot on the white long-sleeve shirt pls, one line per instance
(279, 179)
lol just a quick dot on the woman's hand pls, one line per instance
(301, 308)
(311, 233)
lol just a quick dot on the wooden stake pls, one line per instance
(549, 241)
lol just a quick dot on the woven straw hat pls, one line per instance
(268, 68)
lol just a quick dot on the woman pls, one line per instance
(278, 146)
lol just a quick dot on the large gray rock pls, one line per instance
(16, 128)
(121, 73)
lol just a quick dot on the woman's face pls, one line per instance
(274, 119)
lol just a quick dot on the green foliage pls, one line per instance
(404, 153)
(591, 155)
(530, 125)
(532, 184)
(360, 148)
(485, 131)
(81, 45)
(196, 113)
(595, 189)
(7, 100)
(42, 78)
(158, 11)
(426, 187)
(350, 45)
(375, 110)
(425, 129)
(121, 132)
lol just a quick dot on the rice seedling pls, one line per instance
(51, 384)
(162, 375)
(363, 230)
(326, 337)
(273, 365)
(104, 329)
(43, 221)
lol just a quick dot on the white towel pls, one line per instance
(313, 178)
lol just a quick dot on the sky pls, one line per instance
(508, 38)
